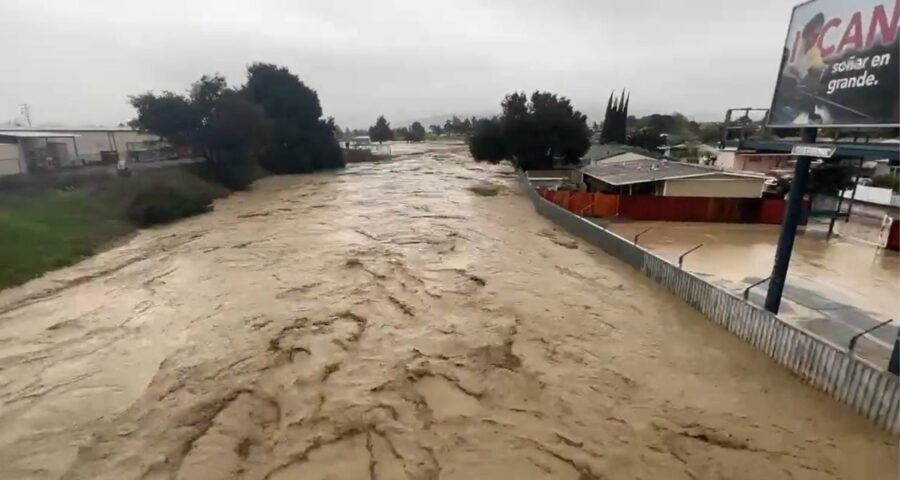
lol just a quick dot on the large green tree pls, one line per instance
(381, 131)
(219, 124)
(235, 134)
(172, 117)
(274, 119)
(416, 133)
(830, 179)
(457, 126)
(535, 133)
(301, 140)
(645, 138)
(487, 142)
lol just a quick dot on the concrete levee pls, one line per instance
(868, 389)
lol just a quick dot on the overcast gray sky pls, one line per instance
(76, 61)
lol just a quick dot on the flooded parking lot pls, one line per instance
(836, 287)
(409, 319)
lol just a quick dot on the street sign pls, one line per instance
(812, 151)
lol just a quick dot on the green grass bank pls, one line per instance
(48, 222)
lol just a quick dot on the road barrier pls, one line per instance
(871, 391)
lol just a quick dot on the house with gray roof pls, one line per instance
(670, 179)
(615, 152)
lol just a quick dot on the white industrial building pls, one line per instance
(27, 150)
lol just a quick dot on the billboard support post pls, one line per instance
(792, 216)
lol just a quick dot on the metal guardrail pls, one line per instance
(747, 290)
(681, 258)
(852, 345)
(641, 233)
(868, 388)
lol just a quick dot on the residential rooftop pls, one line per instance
(642, 171)
(607, 150)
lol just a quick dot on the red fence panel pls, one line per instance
(581, 202)
(772, 211)
(705, 209)
(605, 206)
(679, 209)
(561, 198)
(674, 209)
(893, 241)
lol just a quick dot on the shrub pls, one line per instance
(164, 195)
(889, 180)
(354, 155)
(165, 203)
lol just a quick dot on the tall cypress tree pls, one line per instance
(605, 130)
(616, 116)
(622, 114)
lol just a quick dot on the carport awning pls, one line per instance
(36, 134)
(868, 151)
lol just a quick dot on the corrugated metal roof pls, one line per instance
(642, 171)
(36, 134)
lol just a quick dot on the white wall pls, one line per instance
(879, 196)
(9, 159)
(90, 144)
(123, 138)
(726, 160)
(723, 187)
(751, 163)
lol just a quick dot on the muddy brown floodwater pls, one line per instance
(413, 319)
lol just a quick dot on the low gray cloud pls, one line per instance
(76, 62)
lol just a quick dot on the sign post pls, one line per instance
(839, 70)
(792, 215)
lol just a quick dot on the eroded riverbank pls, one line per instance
(388, 322)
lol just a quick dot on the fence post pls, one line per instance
(852, 345)
(747, 290)
(681, 258)
(641, 233)
(894, 362)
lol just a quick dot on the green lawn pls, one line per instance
(44, 230)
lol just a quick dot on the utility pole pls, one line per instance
(26, 112)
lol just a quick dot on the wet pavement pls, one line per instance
(836, 287)
(408, 319)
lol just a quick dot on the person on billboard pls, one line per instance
(807, 66)
(801, 77)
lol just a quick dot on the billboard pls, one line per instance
(840, 66)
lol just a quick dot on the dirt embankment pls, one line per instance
(387, 322)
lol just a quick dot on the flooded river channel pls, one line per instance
(413, 319)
